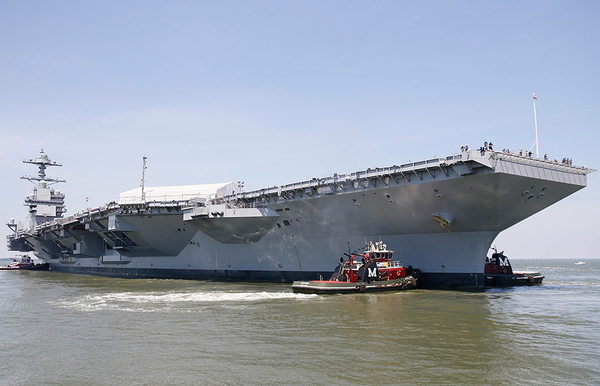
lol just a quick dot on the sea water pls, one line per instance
(61, 329)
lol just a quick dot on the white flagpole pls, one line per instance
(537, 150)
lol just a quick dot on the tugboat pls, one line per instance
(25, 263)
(499, 273)
(373, 270)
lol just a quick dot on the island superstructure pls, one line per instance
(439, 215)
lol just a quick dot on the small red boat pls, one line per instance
(26, 263)
(373, 270)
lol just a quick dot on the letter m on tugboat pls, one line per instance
(372, 273)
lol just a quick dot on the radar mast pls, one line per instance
(45, 204)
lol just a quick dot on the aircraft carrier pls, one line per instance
(439, 215)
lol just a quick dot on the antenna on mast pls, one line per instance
(537, 149)
(143, 178)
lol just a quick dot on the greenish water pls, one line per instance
(59, 329)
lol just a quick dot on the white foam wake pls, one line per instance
(153, 301)
(216, 296)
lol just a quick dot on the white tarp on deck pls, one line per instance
(176, 193)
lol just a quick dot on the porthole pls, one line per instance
(530, 197)
(439, 196)
(286, 223)
(525, 192)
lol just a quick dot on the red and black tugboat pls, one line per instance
(499, 273)
(25, 263)
(373, 270)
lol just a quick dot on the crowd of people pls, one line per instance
(527, 153)
(486, 146)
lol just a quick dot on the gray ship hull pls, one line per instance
(440, 216)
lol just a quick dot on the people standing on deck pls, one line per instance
(486, 146)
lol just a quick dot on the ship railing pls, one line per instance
(454, 158)
(241, 205)
(362, 175)
(390, 264)
(517, 157)
(90, 214)
(59, 222)
(546, 163)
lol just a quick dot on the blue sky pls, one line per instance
(273, 92)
